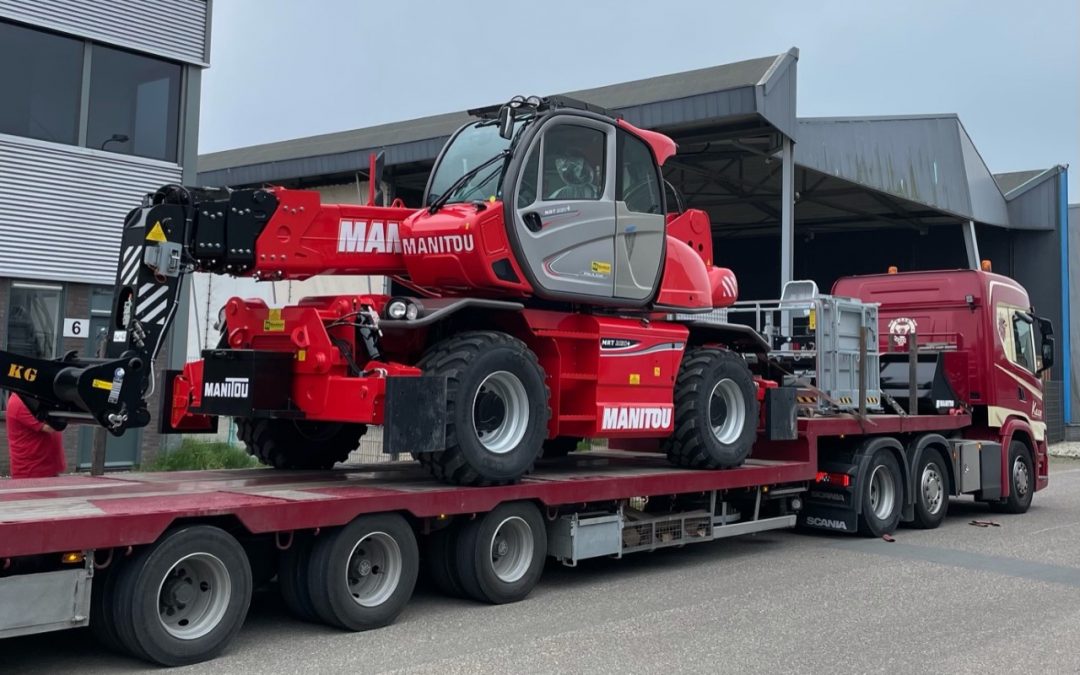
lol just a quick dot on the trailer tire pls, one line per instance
(1022, 481)
(202, 575)
(293, 444)
(882, 494)
(440, 560)
(560, 446)
(716, 411)
(102, 600)
(293, 578)
(492, 380)
(931, 490)
(361, 575)
(500, 555)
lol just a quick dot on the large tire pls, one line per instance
(360, 576)
(184, 598)
(716, 411)
(931, 490)
(292, 444)
(496, 408)
(293, 578)
(102, 599)
(500, 555)
(1022, 477)
(440, 560)
(881, 491)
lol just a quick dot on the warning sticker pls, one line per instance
(813, 319)
(101, 384)
(156, 233)
(274, 322)
(601, 267)
(635, 378)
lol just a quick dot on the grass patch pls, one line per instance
(198, 455)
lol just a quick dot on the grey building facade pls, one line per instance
(100, 105)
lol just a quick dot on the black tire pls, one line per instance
(440, 560)
(479, 562)
(468, 362)
(883, 503)
(291, 444)
(1022, 481)
(560, 446)
(931, 481)
(693, 443)
(293, 578)
(385, 545)
(102, 599)
(137, 614)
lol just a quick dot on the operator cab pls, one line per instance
(582, 192)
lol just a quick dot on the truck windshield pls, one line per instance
(475, 145)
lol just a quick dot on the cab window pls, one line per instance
(637, 182)
(1024, 339)
(529, 178)
(573, 163)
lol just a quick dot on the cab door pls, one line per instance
(565, 207)
(640, 221)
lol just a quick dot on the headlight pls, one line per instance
(401, 308)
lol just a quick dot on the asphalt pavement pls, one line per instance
(959, 599)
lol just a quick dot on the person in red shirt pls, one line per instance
(37, 450)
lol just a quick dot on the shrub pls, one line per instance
(197, 455)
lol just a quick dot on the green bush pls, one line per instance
(197, 455)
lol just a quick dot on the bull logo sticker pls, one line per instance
(900, 328)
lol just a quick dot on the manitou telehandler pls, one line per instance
(543, 268)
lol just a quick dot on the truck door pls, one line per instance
(640, 221)
(565, 207)
(1017, 387)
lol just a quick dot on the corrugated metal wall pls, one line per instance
(57, 198)
(172, 28)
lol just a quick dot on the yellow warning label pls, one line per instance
(601, 267)
(273, 323)
(813, 319)
(101, 384)
(656, 371)
(635, 378)
(301, 355)
(156, 233)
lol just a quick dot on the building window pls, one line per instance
(40, 77)
(33, 323)
(134, 104)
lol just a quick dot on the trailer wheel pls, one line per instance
(361, 575)
(102, 599)
(496, 408)
(1022, 477)
(560, 446)
(882, 495)
(440, 560)
(716, 410)
(293, 578)
(931, 490)
(292, 444)
(184, 598)
(500, 555)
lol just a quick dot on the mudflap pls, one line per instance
(831, 518)
(414, 419)
(829, 505)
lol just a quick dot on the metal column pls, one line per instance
(971, 245)
(787, 225)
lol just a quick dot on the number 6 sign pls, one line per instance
(76, 328)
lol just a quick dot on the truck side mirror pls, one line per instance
(1046, 329)
(506, 122)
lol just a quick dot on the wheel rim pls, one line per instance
(1021, 477)
(500, 412)
(511, 549)
(882, 492)
(932, 488)
(193, 596)
(727, 411)
(374, 569)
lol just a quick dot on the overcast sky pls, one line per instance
(283, 69)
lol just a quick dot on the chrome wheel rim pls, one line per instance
(1021, 477)
(374, 569)
(500, 412)
(727, 411)
(193, 596)
(932, 486)
(511, 549)
(882, 492)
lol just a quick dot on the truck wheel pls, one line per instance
(1022, 486)
(882, 495)
(716, 411)
(102, 599)
(293, 578)
(931, 490)
(361, 575)
(496, 408)
(560, 446)
(182, 599)
(500, 555)
(441, 562)
(292, 444)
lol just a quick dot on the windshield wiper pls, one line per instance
(462, 180)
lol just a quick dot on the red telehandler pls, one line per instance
(542, 269)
